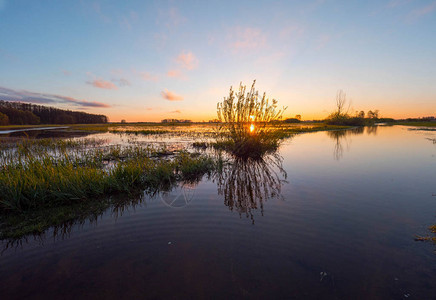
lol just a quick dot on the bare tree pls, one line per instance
(341, 100)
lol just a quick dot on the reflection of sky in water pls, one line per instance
(351, 216)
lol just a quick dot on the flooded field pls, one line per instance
(331, 215)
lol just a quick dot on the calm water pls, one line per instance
(337, 222)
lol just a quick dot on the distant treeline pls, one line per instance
(17, 113)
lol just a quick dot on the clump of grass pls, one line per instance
(32, 181)
(249, 124)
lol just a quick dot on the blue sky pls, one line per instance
(149, 60)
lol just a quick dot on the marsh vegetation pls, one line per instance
(82, 169)
(250, 124)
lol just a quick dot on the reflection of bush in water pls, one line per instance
(337, 134)
(247, 183)
(371, 130)
(341, 135)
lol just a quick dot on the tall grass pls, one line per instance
(32, 180)
(249, 123)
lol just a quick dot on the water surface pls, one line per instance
(337, 222)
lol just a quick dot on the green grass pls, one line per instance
(31, 181)
(38, 191)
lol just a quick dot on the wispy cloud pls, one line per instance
(422, 11)
(396, 3)
(43, 98)
(102, 84)
(98, 10)
(176, 74)
(171, 18)
(66, 72)
(121, 82)
(170, 96)
(83, 102)
(127, 21)
(148, 76)
(187, 60)
(246, 39)
(175, 112)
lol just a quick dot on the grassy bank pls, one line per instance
(31, 181)
(66, 183)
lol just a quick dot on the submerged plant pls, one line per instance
(249, 124)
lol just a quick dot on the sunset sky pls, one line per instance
(150, 60)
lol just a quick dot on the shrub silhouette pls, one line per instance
(249, 124)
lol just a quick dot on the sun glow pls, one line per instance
(252, 128)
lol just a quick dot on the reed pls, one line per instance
(249, 124)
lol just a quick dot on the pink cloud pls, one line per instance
(103, 84)
(243, 39)
(187, 60)
(170, 96)
(148, 77)
(171, 18)
(175, 112)
(173, 73)
(176, 74)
